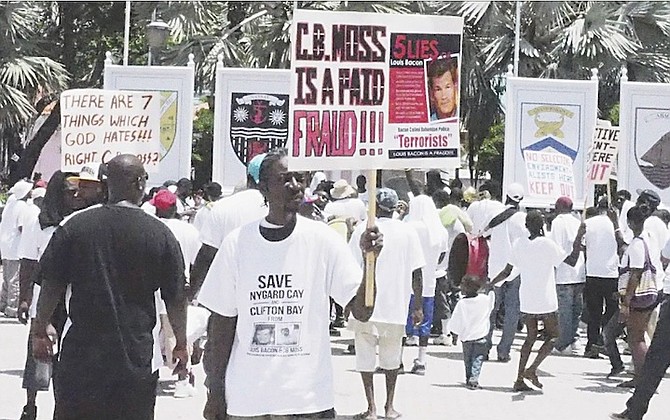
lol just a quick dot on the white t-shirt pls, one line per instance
(230, 213)
(10, 236)
(471, 317)
(481, 212)
(502, 238)
(431, 255)
(347, 207)
(623, 221)
(634, 256)
(148, 208)
(188, 238)
(602, 259)
(399, 257)
(204, 213)
(34, 241)
(536, 261)
(564, 231)
(656, 232)
(280, 361)
(666, 254)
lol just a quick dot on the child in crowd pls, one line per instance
(471, 323)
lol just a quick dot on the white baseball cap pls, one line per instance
(515, 191)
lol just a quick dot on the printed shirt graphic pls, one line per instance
(280, 293)
(258, 123)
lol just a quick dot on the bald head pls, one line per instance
(126, 179)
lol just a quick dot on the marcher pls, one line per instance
(537, 293)
(471, 323)
(569, 278)
(271, 274)
(11, 227)
(60, 200)
(212, 192)
(344, 202)
(505, 228)
(433, 237)
(657, 360)
(398, 275)
(637, 277)
(118, 259)
(228, 214)
(186, 234)
(601, 253)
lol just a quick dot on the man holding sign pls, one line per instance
(254, 298)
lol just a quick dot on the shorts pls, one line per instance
(423, 329)
(369, 335)
(538, 317)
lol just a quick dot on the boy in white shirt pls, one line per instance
(471, 323)
(537, 293)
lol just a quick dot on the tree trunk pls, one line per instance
(31, 153)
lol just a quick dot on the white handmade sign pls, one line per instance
(98, 125)
(602, 155)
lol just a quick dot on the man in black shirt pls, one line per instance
(112, 263)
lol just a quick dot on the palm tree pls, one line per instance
(27, 74)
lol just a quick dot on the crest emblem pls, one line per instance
(169, 105)
(258, 123)
(652, 145)
(548, 126)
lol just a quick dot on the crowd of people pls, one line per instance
(117, 280)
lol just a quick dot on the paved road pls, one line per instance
(575, 388)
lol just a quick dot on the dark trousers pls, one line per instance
(446, 297)
(108, 400)
(599, 292)
(612, 330)
(656, 363)
(473, 356)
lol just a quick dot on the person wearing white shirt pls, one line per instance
(398, 275)
(271, 274)
(471, 323)
(569, 279)
(657, 360)
(602, 274)
(536, 258)
(228, 214)
(212, 195)
(623, 203)
(11, 228)
(505, 228)
(344, 203)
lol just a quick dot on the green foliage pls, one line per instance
(490, 154)
(203, 140)
(613, 114)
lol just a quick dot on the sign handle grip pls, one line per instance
(370, 258)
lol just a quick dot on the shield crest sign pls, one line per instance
(550, 128)
(652, 145)
(169, 104)
(258, 123)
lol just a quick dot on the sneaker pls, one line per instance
(442, 340)
(504, 359)
(29, 413)
(183, 389)
(620, 416)
(616, 371)
(628, 384)
(418, 368)
(412, 340)
(532, 377)
(565, 352)
(473, 386)
(592, 353)
(520, 386)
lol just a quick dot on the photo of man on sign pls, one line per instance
(442, 88)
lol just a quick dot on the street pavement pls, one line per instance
(574, 387)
